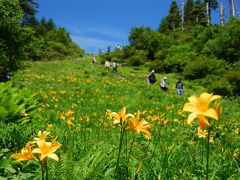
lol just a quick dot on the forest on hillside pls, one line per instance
(187, 43)
(24, 37)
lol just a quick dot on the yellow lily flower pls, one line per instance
(26, 153)
(199, 106)
(41, 136)
(140, 126)
(47, 149)
(120, 116)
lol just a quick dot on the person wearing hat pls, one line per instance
(164, 84)
(151, 77)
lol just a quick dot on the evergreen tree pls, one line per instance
(29, 8)
(50, 24)
(137, 36)
(199, 13)
(188, 17)
(164, 26)
(174, 17)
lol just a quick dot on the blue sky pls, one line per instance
(97, 24)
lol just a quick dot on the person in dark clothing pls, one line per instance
(151, 77)
(179, 87)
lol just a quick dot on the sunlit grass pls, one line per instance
(75, 97)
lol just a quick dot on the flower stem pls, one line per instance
(130, 150)
(42, 169)
(119, 151)
(46, 168)
(202, 145)
(208, 150)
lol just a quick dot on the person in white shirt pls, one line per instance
(164, 84)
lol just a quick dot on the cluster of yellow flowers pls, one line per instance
(68, 117)
(72, 78)
(38, 146)
(133, 123)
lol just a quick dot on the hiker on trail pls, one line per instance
(107, 65)
(114, 64)
(179, 87)
(151, 77)
(164, 84)
(94, 61)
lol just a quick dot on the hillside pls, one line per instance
(72, 101)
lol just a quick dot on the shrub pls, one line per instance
(221, 87)
(14, 38)
(135, 60)
(161, 54)
(177, 58)
(201, 67)
(156, 65)
(233, 77)
(226, 44)
(116, 56)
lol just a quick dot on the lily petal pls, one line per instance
(190, 107)
(53, 156)
(191, 117)
(211, 113)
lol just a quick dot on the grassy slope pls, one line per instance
(90, 146)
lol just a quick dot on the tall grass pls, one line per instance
(78, 92)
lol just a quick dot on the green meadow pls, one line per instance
(71, 100)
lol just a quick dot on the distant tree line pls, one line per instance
(23, 37)
(199, 51)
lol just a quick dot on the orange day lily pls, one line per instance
(26, 153)
(119, 117)
(140, 126)
(47, 149)
(202, 133)
(69, 122)
(199, 106)
(69, 113)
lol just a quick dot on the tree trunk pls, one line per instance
(208, 13)
(232, 7)
(222, 14)
(182, 14)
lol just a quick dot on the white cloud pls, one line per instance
(91, 44)
(91, 39)
(103, 31)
